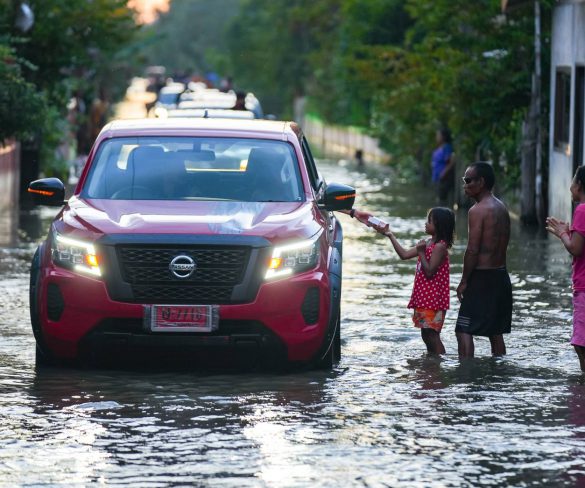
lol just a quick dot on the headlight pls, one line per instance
(293, 258)
(75, 255)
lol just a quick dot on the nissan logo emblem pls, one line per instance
(182, 266)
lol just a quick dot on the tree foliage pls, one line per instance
(399, 68)
(190, 37)
(21, 105)
(466, 66)
(71, 46)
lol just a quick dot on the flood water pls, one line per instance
(387, 415)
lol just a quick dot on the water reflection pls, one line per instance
(8, 227)
(387, 416)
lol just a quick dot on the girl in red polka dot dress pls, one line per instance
(430, 294)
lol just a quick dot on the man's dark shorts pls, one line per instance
(486, 308)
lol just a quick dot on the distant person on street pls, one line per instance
(443, 166)
(226, 84)
(430, 293)
(485, 290)
(240, 101)
(359, 158)
(573, 238)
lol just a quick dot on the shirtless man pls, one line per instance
(485, 290)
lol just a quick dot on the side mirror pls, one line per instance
(47, 191)
(338, 197)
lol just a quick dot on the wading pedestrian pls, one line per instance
(485, 290)
(430, 293)
(573, 238)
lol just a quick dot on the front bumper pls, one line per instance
(85, 320)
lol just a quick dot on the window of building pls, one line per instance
(562, 108)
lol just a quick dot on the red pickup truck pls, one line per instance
(204, 239)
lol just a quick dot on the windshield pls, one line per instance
(194, 168)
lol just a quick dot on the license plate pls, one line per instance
(184, 318)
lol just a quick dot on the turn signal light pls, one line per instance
(91, 260)
(275, 263)
(42, 192)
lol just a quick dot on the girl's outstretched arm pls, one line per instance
(402, 253)
(438, 255)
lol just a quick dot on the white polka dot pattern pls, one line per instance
(431, 293)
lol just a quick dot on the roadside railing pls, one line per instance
(9, 191)
(9, 174)
(343, 142)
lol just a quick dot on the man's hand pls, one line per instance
(362, 216)
(461, 290)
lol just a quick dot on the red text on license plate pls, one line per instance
(177, 316)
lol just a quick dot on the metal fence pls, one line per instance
(342, 142)
(9, 190)
(9, 174)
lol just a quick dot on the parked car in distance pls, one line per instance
(166, 99)
(214, 113)
(203, 239)
(212, 98)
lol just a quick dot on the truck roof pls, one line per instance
(272, 127)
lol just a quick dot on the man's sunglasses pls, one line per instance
(469, 179)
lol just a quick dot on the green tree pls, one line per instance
(465, 65)
(16, 92)
(71, 46)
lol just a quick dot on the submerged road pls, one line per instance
(388, 415)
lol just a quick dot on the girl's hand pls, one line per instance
(556, 227)
(421, 246)
(385, 230)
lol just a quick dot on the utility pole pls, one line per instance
(538, 108)
(531, 199)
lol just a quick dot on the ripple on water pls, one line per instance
(387, 415)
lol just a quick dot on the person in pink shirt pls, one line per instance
(573, 238)
(430, 294)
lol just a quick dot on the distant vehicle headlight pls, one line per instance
(75, 255)
(293, 258)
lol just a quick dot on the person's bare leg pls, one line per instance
(433, 341)
(580, 350)
(498, 346)
(426, 339)
(465, 345)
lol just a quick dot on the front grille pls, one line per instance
(218, 270)
(182, 294)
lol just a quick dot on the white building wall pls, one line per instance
(568, 50)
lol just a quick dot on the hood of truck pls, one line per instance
(275, 221)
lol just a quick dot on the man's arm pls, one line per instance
(475, 225)
(360, 215)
